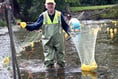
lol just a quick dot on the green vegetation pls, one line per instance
(2, 23)
(82, 8)
(29, 10)
(112, 13)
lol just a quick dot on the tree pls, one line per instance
(30, 11)
(36, 9)
(71, 3)
(60, 4)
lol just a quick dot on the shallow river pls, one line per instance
(31, 60)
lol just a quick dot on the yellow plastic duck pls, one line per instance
(92, 75)
(6, 60)
(32, 44)
(85, 67)
(91, 67)
(115, 30)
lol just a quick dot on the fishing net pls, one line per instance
(24, 38)
(84, 41)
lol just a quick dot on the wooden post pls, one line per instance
(16, 71)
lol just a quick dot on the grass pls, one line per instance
(83, 8)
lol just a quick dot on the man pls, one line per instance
(73, 23)
(53, 24)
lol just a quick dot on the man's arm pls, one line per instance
(65, 26)
(36, 25)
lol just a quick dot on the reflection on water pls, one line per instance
(50, 74)
(55, 74)
(89, 75)
(106, 52)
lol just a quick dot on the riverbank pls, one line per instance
(91, 13)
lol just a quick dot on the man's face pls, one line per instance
(50, 6)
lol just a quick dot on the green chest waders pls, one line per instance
(53, 39)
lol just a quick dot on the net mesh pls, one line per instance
(84, 42)
(24, 38)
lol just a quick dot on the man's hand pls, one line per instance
(67, 36)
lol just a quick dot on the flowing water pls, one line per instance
(31, 60)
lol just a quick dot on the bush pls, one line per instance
(2, 23)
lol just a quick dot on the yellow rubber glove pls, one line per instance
(23, 24)
(67, 36)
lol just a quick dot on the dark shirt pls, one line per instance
(39, 23)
